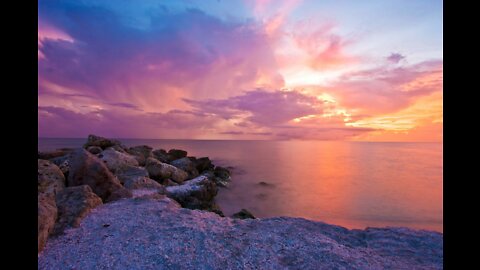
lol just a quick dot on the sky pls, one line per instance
(241, 69)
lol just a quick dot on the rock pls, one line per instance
(154, 233)
(141, 153)
(176, 154)
(159, 171)
(198, 193)
(54, 154)
(144, 183)
(169, 183)
(116, 160)
(186, 165)
(47, 214)
(50, 177)
(94, 150)
(119, 148)
(203, 164)
(101, 142)
(87, 169)
(63, 164)
(161, 155)
(130, 172)
(73, 204)
(222, 172)
(243, 214)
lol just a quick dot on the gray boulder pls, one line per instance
(141, 153)
(160, 171)
(101, 142)
(198, 193)
(187, 165)
(116, 160)
(87, 169)
(177, 153)
(161, 155)
(63, 164)
(203, 164)
(50, 177)
(130, 172)
(73, 204)
(47, 214)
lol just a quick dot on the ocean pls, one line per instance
(351, 184)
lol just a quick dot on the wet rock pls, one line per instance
(243, 214)
(73, 204)
(203, 164)
(101, 142)
(87, 169)
(94, 150)
(198, 193)
(130, 172)
(222, 173)
(141, 153)
(47, 214)
(50, 177)
(187, 165)
(177, 153)
(159, 171)
(116, 160)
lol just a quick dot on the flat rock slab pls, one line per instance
(155, 233)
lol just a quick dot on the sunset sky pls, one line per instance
(241, 69)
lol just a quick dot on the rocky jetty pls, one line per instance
(109, 206)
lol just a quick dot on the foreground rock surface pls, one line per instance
(148, 233)
(47, 214)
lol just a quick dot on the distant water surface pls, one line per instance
(351, 184)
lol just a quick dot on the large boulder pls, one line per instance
(47, 214)
(161, 171)
(87, 169)
(116, 160)
(50, 177)
(203, 164)
(101, 142)
(141, 153)
(143, 183)
(161, 155)
(187, 165)
(198, 193)
(73, 204)
(130, 172)
(177, 153)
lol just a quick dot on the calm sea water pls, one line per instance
(351, 184)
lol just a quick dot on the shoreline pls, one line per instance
(76, 184)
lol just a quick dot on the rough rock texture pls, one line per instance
(144, 183)
(63, 163)
(47, 214)
(87, 169)
(141, 153)
(94, 150)
(147, 233)
(177, 153)
(50, 177)
(101, 142)
(161, 155)
(130, 172)
(160, 171)
(198, 193)
(243, 214)
(186, 165)
(116, 160)
(73, 204)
